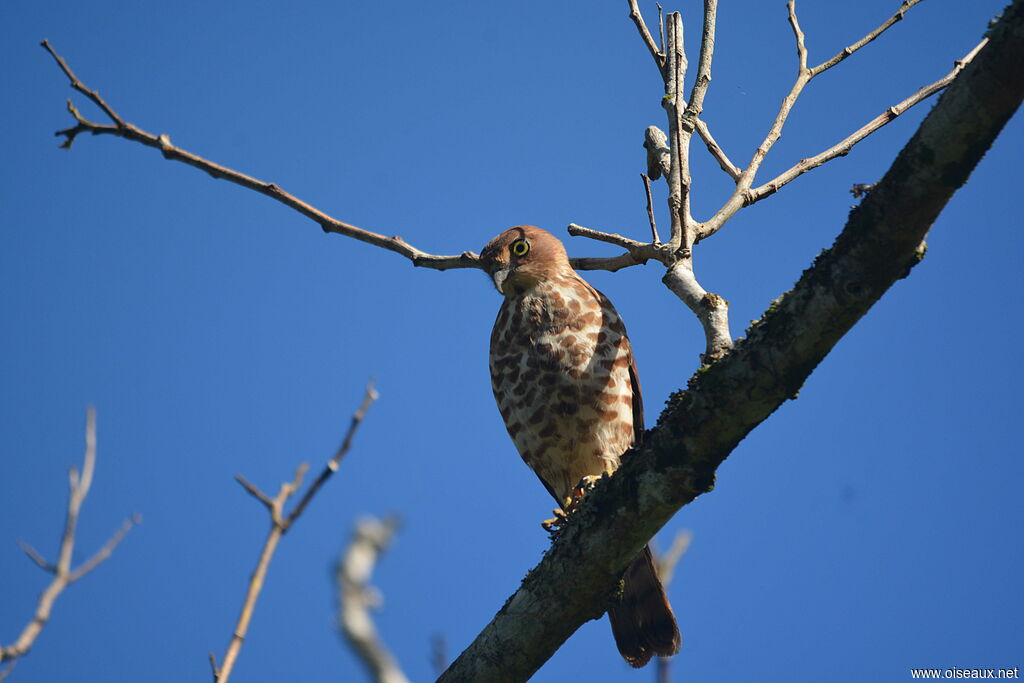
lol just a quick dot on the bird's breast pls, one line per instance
(560, 374)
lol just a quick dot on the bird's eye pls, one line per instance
(520, 247)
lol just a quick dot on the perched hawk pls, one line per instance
(563, 375)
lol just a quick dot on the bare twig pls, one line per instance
(679, 178)
(661, 25)
(107, 550)
(843, 147)
(645, 34)
(744, 196)
(804, 76)
(80, 87)
(716, 151)
(695, 105)
(279, 525)
(34, 555)
(650, 209)
(128, 131)
(356, 597)
(850, 49)
(64, 575)
(369, 397)
(610, 238)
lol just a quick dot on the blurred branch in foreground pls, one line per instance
(356, 597)
(279, 524)
(666, 564)
(63, 574)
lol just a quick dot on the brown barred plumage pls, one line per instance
(565, 381)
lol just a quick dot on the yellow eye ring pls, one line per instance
(520, 247)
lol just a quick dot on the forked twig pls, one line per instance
(123, 129)
(63, 574)
(279, 525)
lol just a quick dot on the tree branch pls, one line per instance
(645, 34)
(695, 105)
(279, 524)
(743, 196)
(356, 597)
(717, 152)
(843, 147)
(850, 49)
(64, 575)
(880, 243)
(128, 131)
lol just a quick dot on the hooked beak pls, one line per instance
(499, 277)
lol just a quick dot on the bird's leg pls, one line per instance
(569, 506)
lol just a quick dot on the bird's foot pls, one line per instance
(554, 525)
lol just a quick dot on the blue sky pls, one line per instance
(869, 527)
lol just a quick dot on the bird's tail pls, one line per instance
(642, 621)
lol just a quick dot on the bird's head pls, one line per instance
(521, 257)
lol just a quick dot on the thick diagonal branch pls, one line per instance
(880, 243)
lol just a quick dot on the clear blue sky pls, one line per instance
(871, 526)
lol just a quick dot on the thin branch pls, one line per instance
(609, 238)
(64, 575)
(650, 209)
(609, 263)
(803, 77)
(843, 147)
(163, 143)
(743, 195)
(255, 491)
(357, 598)
(34, 555)
(798, 34)
(645, 34)
(107, 550)
(695, 105)
(279, 524)
(716, 151)
(80, 87)
(661, 25)
(128, 131)
(369, 397)
(850, 49)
